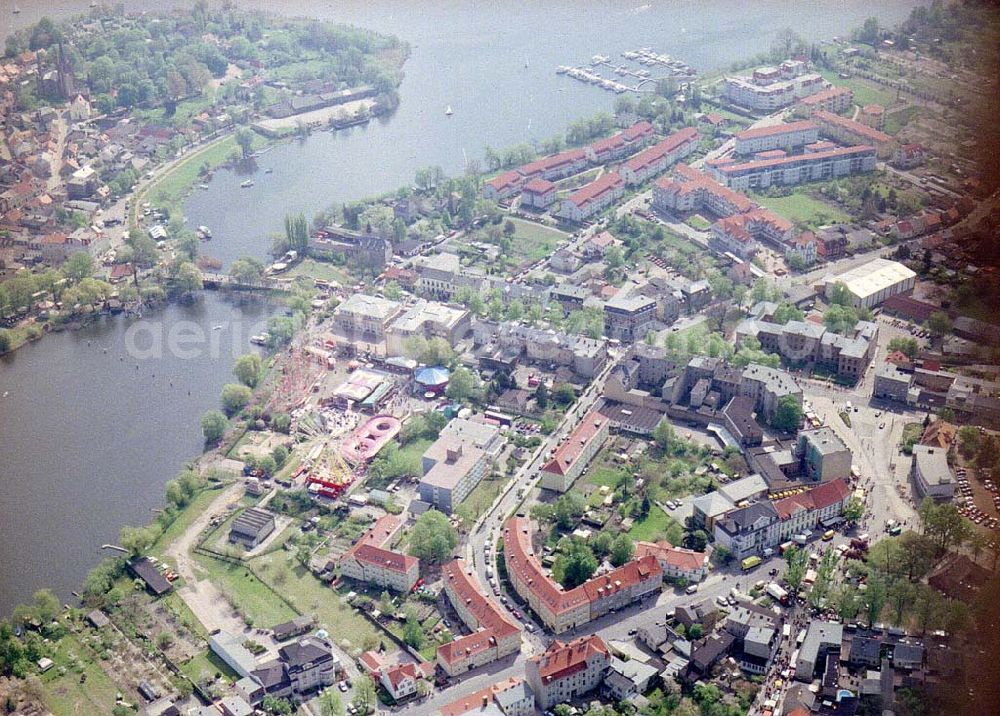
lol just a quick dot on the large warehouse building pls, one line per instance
(872, 283)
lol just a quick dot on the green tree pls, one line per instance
(463, 385)
(213, 426)
(235, 397)
(840, 319)
(364, 693)
(5, 341)
(873, 599)
(432, 538)
(244, 138)
(854, 510)
(413, 633)
(908, 346)
(574, 565)
(840, 295)
(795, 572)
(330, 703)
(247, 369)
(136, 539)
(79, 266)
(567, 510)
(247, 269)
(787, 312)
(564, 394)
(276, 706)
(788, 415)
(939, 323)
(541, 392)
(944, 524)
(622, 549)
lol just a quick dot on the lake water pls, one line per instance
(87, 441)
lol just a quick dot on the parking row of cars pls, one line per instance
(967, 504)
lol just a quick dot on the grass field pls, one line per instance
(656, 523)
(480, 499)
(310, 596)
(802, 207)
(250, 595)
(895, 121)
(198, 505)
(322, 270)
(207, 663)
(865, 92)
(533, 241)
(64, 694)
(697, 222)
(185, 111)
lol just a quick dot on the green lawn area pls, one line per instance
(250, 594)
(895, 121)
(480, 499)
(696, 221)
(310, 596)
(198, 505)
(185, 111)
(415, 449)
(604, 476)
(657, 523)
(64, 694)
(303, 69)
(322, 270)
(802, 207)
(865, 92)
(207, 663)
(534, 241)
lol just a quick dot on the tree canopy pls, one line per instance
(432, 538)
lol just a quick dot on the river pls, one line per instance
(87, 441)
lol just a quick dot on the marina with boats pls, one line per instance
(645, 80)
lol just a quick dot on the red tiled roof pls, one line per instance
(385, 558)
(570, 451)
(487, 612)
(777, 129)
(539, 186)
(637, 131)
(815, 499)
(475, 700)
(505, 181)
(823, 95)
(492, 623)
(677, 557)
(370, 549)
(589, 192)
(659, 150)
(520, 557)
(562, 660)
(862, 130)
(608, 143)
(399, 673)
(814, 156)
(545, 163)
(690, 179)
(371, 661)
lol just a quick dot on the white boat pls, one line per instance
(247, 184)
(203, 187)
(268, 170)
(260, 339)
(204, 232)
(448, 111)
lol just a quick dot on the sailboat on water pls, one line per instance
(448, 111)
